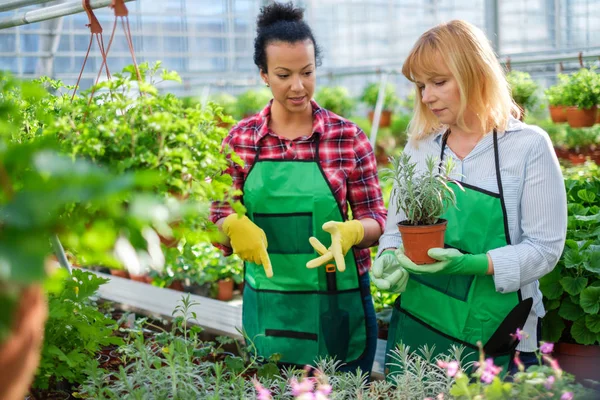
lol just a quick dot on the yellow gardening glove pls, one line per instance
(248, 241)
(344, 235)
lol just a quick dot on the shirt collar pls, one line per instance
(512, 125)
(264, 117)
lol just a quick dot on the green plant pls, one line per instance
(423, 197)
(371, 92)
(556, 93)
(522, 88)
(44, 194)
(126, 131)
(336, 99)
(583, 89)
(75, 332)
(572, 290)
(252, 101)
(227, 101)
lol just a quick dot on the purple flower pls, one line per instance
(306, 385)
(547, 348)
(549, 382)
(518, 362)
(567, 396)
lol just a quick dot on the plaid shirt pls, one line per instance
(345, 155)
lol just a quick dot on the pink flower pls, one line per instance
(490, 371)
(549, 382)
(306, 385)
(519, 334)
(547, 348)
(440, 396)
(262, 392)
(518, 362)
(553, 364)
(567, 396)
(452, 367)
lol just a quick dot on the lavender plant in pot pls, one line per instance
(423, 197)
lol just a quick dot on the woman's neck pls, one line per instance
(463, 141)
(290, 125)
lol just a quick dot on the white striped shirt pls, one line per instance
(536, 206)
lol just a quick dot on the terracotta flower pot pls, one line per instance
(417, 239)
(579, 118)
(385, 119)
(141, 278)
(176, 285)
(120, 273)
(225, 292)
(598, 115)
(579, 360)
(558, 114)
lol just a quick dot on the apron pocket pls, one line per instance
(414, 333)
(287, 233)
(343, 325)
(456, 286)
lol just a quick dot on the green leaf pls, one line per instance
(582, 334)
(586, 195)
(572, 258)
(553, 327)
(550, 284)
(552, 304)
(593, 322)
(268, 371)
(171, 76)
(235, 364)
(590, 299)
(570, 311)
(573, 285)
(593, 265)
(588, 218)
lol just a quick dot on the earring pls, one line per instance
(267, 84)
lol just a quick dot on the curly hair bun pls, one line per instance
(278, 12)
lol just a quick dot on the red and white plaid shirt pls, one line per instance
(345, 155)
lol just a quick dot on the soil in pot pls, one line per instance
(417, 239)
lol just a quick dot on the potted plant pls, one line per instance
(251, 101)
(572, 290)
(423, 198)
(582, 97)
(523, 90)
(390, 101)
(336, 99)
(556, 99)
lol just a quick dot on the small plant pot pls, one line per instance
(385, 120)
(121, 273)
(417, 239)
(176, 285)
(558, 114)
(225, 292)
(141, 278)
(240, 287)
(579, 360)
(598, 115)
(580, 118)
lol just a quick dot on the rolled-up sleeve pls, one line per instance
(543, 223)
(364, 191)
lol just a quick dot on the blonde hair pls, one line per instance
(480, 77)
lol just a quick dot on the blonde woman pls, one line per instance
(510, 224)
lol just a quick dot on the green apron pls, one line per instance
(446, 310)
(302, 314)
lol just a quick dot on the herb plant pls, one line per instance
(422, 196)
